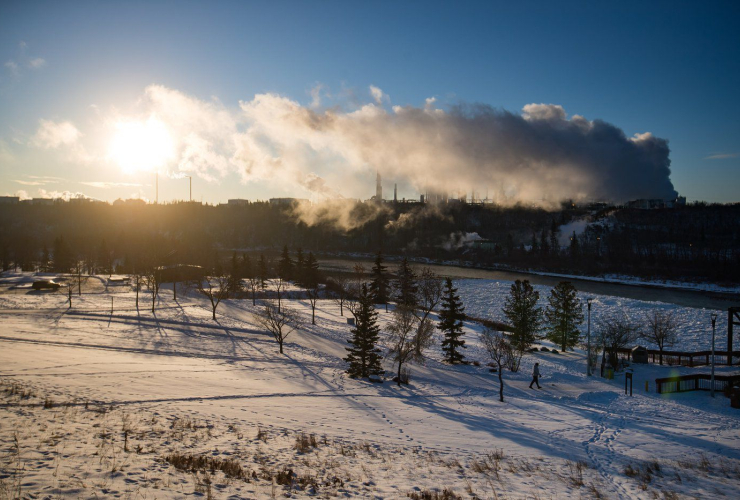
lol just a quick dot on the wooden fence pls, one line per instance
(697, 382)
(682, 358)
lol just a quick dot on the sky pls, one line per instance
(531, 100)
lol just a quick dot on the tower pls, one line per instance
(395, 193)
(378, 189)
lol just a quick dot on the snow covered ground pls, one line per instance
(99, 404)
(486, 298)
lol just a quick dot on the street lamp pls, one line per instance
(714, 322)
(588, 340)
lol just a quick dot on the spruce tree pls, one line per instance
(563, 314)
(300, 267)
(285, 265)
(451, 322)
(406, 286)
(262, 272)
(524, 316)
(364, 355)
(380, 283)
(311, 271)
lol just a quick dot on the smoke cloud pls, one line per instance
(539, 155)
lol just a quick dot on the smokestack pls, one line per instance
(395, 193)
(378, 189)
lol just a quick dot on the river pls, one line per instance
(682, 297)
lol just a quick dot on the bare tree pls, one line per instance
(280, 285)
(429, 295)
(216, 288)
(340, 292)
(616, 332)
(661, 328)
(152, 279)
(279, 322)
(500, 351)
(313, 293)
(359, 279)
(79, 279)
(254, 283)
(401, 328)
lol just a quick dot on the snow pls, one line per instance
(485, 299)
(179, 382)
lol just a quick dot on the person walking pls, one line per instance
(535, 376)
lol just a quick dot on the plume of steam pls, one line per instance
(342, 213)
(539, 155)
(459, 239)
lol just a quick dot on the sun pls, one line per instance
(141, 146)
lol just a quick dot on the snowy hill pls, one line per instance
(134, 399)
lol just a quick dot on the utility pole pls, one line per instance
(588, 340)
(714, 322)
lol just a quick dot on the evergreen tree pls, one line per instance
(380, 283)
(574, 246)
(364, 355)
(406, 286)
(451, 322)
(235, 275)
(63, 259)
(544, 245)
(246, 267)
(285, 265)
(563, 314)
(524, 316)
(311, 271)
(300, 267)
(554, 244)
(262, 272)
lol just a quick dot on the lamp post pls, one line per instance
(588, 340)
(714, 322)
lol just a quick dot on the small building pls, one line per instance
(9, 200)
(238, 202)
(639, 355)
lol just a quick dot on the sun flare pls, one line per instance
(139, 146)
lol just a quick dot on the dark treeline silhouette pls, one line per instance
(699, 240)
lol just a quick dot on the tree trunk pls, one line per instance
(341, 309)
(500, 384)
(254, 300)
(280, 343)
(399, 372)
(313, 315)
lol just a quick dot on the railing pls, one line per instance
(696, 382)
(683, 358)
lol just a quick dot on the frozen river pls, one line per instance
(686, 298)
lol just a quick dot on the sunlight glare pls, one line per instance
(141, 146)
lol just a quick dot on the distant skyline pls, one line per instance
(308, 99)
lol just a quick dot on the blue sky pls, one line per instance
(669, 68)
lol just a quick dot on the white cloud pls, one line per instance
(23, 195)
(108, 185)
(29, 183)
(37, 63)
(12, 67)
(378, 95)
(543, 112)
(722, 156)
(51, 135)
